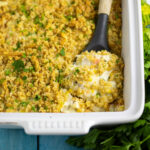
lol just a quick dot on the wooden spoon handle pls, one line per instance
(104, 6)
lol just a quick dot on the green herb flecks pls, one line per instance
(69, 17)
(1, 81)
(24, 104)
(50, 69)
(61, 53)
(7, 72)
(117, 61)
(24, 55)
(37, 20)
(34, 108)
(39, 48)
(24, 10)
(24, 78)
(18, 46)
(47, 39)
(30, 69)
(76, 71)
(18, 65)
(98, 95)
(35, 40)
(12, 12)
(60, 77)
(37, 97)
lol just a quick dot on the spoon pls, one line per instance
(100, 40)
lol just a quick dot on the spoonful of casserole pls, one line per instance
(97, 75)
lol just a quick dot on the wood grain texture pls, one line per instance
(55, 143)
(11, 139)
(104, 6)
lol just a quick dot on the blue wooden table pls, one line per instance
(11, 139)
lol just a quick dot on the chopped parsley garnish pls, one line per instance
(37, 97)
(76, 71)
(24, 103)
(29, 33)
(62, 52)
(117, 61)
(93, 2)
(34, 40)
(50, 29)
(7, 72)
(30, 69)
(98, 95)
(1, 81)
(18, 45)
(39, 48)
(24, 55)
(45, 98)
(50, 69)
(73, 2)
(47, 39)
(24, 78)
(25, 11)
(60, 77)
(12, 12)
(45, 107)
(33, 108)
(69, 17)
(18, 65)
(37, 21)
(52, 101)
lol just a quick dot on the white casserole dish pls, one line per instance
(80, 123)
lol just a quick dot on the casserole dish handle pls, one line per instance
(61, 127)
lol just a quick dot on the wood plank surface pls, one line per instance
(16, 139)
(55, 143)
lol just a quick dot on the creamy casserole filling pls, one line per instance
(39, 40)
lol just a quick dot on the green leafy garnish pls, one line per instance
(98, 95)
(33, 108)
(62, 52)
(12, 12)
(24, 10)
(117, 61)
(24, 55)
(39, 48)
(37, 20)
(45, 98)
(30, 69)
(37, 97)
(18, 46)
(69, 17)
(7, 72)
(24, 103)
(1, 81)
(60, 77)
(18, 65)
(76, 71)
(47, 39)
(50, 69)
(34, 40)
(24, 78)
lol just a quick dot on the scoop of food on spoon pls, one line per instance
(96, 76)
